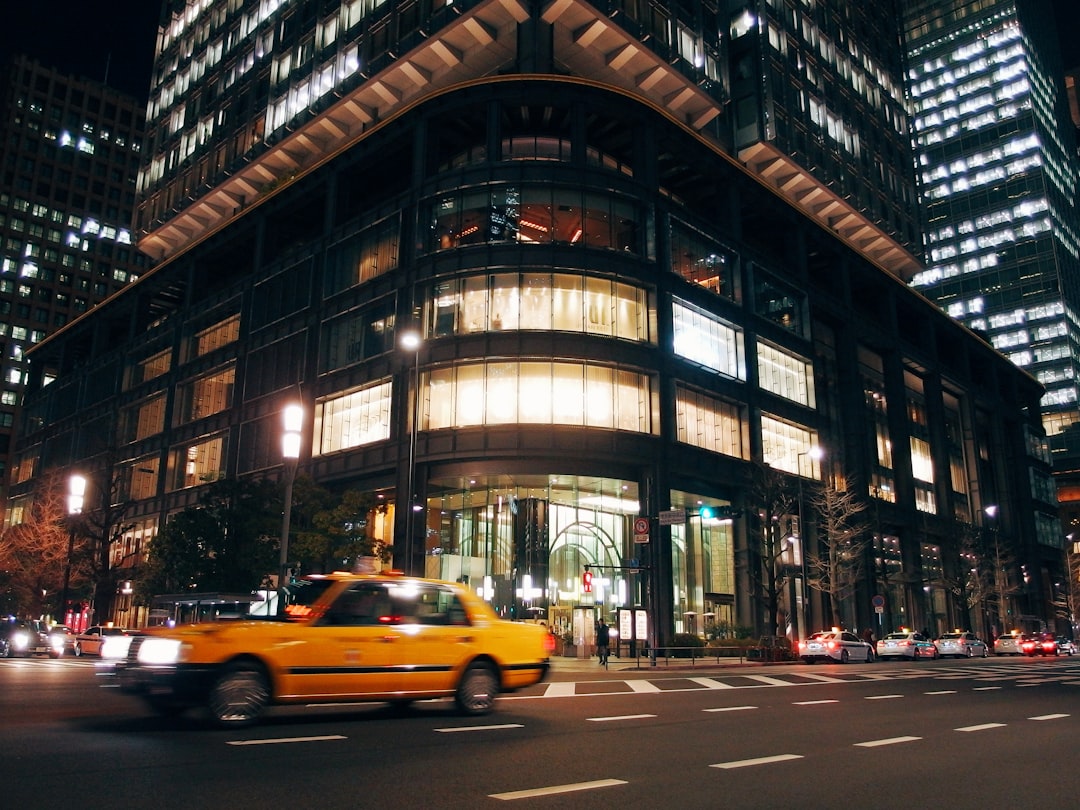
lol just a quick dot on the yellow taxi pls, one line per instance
(346, 637)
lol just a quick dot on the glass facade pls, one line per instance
(999, 186)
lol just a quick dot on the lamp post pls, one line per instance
(293, 419)
(999, 590)
(410, 340)
(76, 496)
(815, 453)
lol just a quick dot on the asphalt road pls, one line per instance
(957, 734)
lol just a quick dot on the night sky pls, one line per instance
(88, 37)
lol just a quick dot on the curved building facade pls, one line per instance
(622, 329)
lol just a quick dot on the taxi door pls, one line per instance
(435, 638)
(349, 652)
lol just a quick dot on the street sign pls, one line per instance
(641, 525)
(878, 601)
(672, 517)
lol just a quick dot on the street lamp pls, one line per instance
(76, 497)
(410, 340)
(991, 513)
(815, 453)
(293, 423)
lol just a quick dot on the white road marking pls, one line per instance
(941, 692)
(980, 727)
(643, 686)
(985, 688)
(730, 709)
(278, 740)
(1048, 717)
(767, 680)
(712, 683)
(887, 741)
(813, 702)
(822, 678)
(745, 763)
(618, 717)
(882, 697)
(452, 729)
(560, 689)
(553, 789)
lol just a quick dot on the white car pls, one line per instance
(90, 641)
(835, 645)
(906, 644)
(961, 644)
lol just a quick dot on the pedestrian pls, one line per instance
(868, 636)
(603, 640)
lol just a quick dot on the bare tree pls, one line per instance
(774, 504)
(843, 537)
(99, 526)
(34, 553)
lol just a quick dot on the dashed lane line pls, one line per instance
(746, 763)
(552, 790)
(981, 727)
(886, 741)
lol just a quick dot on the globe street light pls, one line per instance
(410, 340)
(293, 419)
(75, 499)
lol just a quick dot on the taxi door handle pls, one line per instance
(466, 639)
(389, 639)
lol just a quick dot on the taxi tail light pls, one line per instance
(549, 643)
(832, 645)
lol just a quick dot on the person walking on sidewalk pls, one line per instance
(603, 641)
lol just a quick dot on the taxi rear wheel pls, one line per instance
(239, 696)
(477, 690)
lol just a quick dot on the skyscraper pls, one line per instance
(996, 155)
(69, 152)
(633, 307)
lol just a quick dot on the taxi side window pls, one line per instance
(436, 605)
(361, 605)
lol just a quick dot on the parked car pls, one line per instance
(89, 642)
(906, 644)
(1010, 644)
(1040, 644)
(835, 645)
(962, 644)
(21, 638)
(61, 640)
(1067, 645)
(348, 637)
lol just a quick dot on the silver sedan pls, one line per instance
(961, 644)
(835, 645)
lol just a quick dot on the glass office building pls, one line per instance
(998, 173)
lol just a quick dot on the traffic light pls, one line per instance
(706, 512)
(586, 581)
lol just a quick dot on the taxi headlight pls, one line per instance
(20, 640)
(115, 647)
(160, 651)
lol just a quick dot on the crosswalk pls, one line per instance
(1021, 673)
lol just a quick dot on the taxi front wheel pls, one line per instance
(239, 696)
(477, 690)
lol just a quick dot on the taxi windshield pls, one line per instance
(303, 594)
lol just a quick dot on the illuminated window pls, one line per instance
(196, 464)
(710, 423)
(354, 419)
(537, 392)
(708, 340)
(205, 396)
(785, 375)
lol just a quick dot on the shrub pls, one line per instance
(683, 640)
